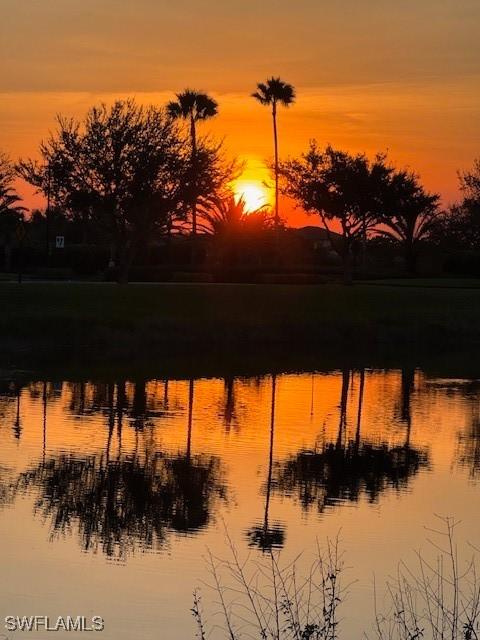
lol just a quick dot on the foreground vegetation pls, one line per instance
(99, 321)
(437, 598)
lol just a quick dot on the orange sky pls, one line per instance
(371, 75)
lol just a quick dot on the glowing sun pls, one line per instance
(254, 193)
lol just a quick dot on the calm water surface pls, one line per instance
(111, 493)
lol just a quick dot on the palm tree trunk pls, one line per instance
(275, 142)
(270, 456)
(191, 387)
(408, 385)
(342, 424)
(120, 407)
(44, 423)
(359, 411)
(111, 418)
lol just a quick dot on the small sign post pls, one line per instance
(59, 242)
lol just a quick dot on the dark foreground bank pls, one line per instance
(145, 322)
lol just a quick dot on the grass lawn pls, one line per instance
(153, 320)
(443, 283)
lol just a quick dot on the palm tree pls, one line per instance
(229, 215)
(193, 106)
(273, 92)
(411, 214)
(223, 215)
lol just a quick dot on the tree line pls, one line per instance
(127, 172)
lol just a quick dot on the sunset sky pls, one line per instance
(371, 75)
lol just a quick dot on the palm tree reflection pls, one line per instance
(11, 391)
(266, 536)
(17, 426)
(407, 389)
(229, 413)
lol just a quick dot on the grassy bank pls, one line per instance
(152, 321)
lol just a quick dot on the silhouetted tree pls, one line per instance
(11, 210)
(122, 163)
(194, 107)
(237, 234)
(341, 188)
(459, 227)
(227, 215)
(272, 93)
(408, 214)
(470, 181)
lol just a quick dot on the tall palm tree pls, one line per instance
(272, 93)
(193, 106)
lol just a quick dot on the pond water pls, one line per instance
(112, 492)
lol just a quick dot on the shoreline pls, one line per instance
(237, 327)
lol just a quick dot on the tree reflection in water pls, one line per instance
(347, 469)
(468, 449)
(133, 496)
(7, 491)
(131, 502)
(128, 503)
